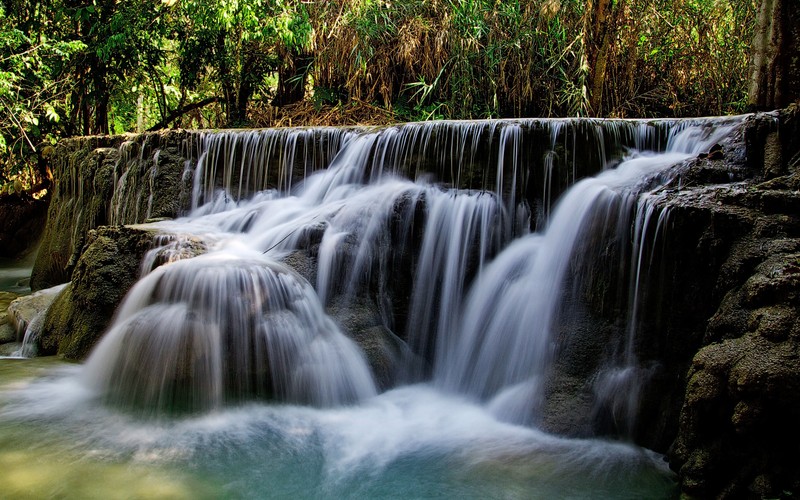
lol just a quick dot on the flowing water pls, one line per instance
(411, 442)
(230, 374)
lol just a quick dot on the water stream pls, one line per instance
(230, 374)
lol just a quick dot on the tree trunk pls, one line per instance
(292, 76)
(775, 68)
(238, 115)
(599, 31)
(101, 109)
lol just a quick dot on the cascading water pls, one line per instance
(447, 265)
(225, 327)
(504, 346)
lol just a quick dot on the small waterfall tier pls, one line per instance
(505, 344)
(221, 327)
(519, 159)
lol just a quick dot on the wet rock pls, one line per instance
(150, 181)
(776, 323)
(7, 333)
(105, 271)
(82, 186)
(738, 432)
(737, 435)
(568, 400)
(24, 311)
(10, 349)
(360, 320)
(303, 263)
(170, 247)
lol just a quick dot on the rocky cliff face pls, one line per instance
(719, 331)
(737, 434)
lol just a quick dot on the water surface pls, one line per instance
(412, 442)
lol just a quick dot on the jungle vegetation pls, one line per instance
(80, 67)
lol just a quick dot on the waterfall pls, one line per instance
(220, 327)
(428, 224)
(446, 309)
(506, 338)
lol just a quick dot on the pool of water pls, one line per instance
(15, 274)
(57, 440)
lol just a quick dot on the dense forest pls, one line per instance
(72, 67)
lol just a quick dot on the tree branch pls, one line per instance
(182, 111)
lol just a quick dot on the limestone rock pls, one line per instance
(104, 180)
(105, 271)
(7, 333)
(28, 310)
(737, 435)
(360, 320)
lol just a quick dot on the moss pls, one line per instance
(57, 321)
(84, 186)
(86, 170)
(103, 274)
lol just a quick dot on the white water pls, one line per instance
(504, 347)
(224, 326)
(215, 334)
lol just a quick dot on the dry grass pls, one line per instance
(306, 114)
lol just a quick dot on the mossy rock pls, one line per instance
(88, 193)
(7, 333)
(84, 186)
(738, 434)
(106, 270)
(27, 310)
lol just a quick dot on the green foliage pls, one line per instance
(682, 58)
(236, 45)
(31, 95)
